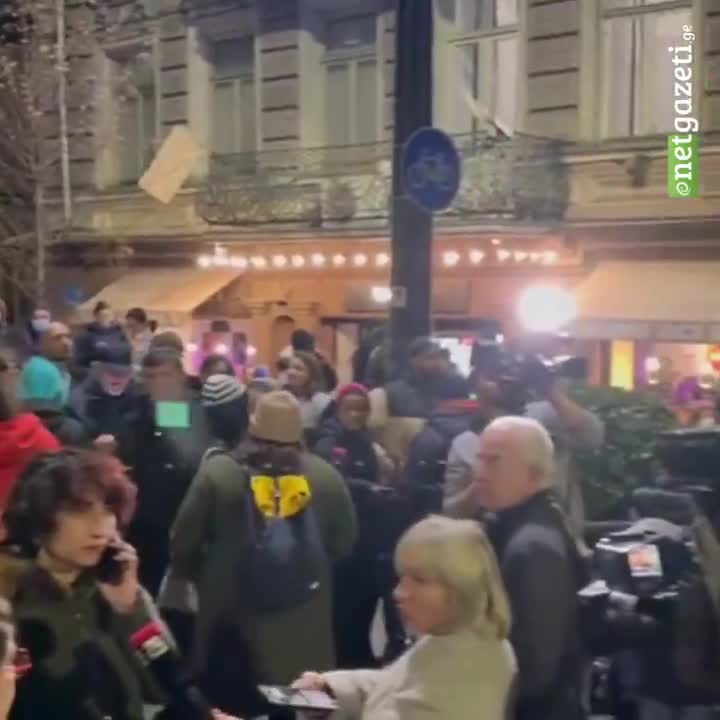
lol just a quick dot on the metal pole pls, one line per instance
(62, 109)
(41, 243)
(412, 228)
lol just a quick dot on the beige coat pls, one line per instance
(455, 677)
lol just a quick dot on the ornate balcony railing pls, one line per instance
(518, 178)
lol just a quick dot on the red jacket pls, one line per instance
(21, 439)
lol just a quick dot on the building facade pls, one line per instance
(561, 110)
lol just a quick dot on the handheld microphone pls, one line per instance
(185, 700)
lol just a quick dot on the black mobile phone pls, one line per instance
(281, 696)
(110, 570)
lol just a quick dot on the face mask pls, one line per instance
(41, 325)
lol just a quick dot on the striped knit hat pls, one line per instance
(220, 390)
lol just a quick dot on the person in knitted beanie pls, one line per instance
(226, 409)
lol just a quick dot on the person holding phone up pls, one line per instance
(73, 583)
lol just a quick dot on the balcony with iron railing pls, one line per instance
(504, 179)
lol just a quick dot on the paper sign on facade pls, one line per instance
(172, 165)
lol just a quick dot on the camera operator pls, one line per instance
(570, 426)
(539, 565)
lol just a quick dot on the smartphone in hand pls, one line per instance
(110, 570)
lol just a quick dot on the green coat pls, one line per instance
(210, 533)
(79, 647)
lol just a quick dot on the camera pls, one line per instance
(522, 377)
(650, 603)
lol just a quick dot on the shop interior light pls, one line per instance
(496, 241)
(499, 338)
(221, 349)
(550, 257)
(239, 262)
(318, 260)
(222, 261)
(279, 261)
(192, 347)
(503, 255)
(204, 261)
(381, 295)
(546, 309)
(382, 260)
(451, 258)
(298, 261)
(652, 364)
(339, 260)
(536, 257)
(259, 262)
(476, 256)
(360, 260)
(520, 256)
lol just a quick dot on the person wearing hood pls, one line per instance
(44, 392)
(22, 434)
(104, 332)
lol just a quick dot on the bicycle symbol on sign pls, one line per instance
(431, 170)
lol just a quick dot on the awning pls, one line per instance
(662, 301)
(168, 296)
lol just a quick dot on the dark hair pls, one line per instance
(115, 354)
(99, 307)
(138, 315)
(168, 340)
(61, 480)
(210, 360)
(314, 369)
(268, 457)
(282, 364)
(302, 341)
(159, 356)
(423, 346)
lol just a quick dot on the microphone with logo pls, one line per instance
(186, 702)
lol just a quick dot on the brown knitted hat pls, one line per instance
(277, 419)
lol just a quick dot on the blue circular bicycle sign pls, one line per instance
(431, 169)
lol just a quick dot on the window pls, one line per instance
(637, 68)
(234, 106)
(486, 53)
(137, 113)
(351, 81)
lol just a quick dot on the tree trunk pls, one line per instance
(40, 243)
(62, 110)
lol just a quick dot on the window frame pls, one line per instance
(237, 82)
(642, 98)
(353, 58)
(460, 39)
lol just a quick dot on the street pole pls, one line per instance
(412, 228)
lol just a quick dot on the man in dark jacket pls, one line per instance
(107, 402)
(429, 381)
(168, 440)
(540, 565)
(103, 333)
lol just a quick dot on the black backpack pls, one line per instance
(283, 565)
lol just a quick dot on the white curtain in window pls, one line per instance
(505, 78)
(338, 105)
(619, 75)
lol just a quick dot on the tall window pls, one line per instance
(638, 86)
(486, 47)
(234, 106)
(351, 81)
(137, 112)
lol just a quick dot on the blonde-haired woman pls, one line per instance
(451, 596)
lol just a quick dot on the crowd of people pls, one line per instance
(406, 547)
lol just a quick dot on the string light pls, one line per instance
(339, 260)
(382, 260)
(318, 260)
(550, 257)
(503, 255)
(279, 261)
(520, 256)
(476, 256)
(360, 260)
(259, 262)
(298, 261)
(451, 258)
(535, 257)
(222, 260)
(496, 241)
(204, 261)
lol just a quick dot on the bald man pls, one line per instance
(540, 564)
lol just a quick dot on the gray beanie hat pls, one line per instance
(220, 390)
